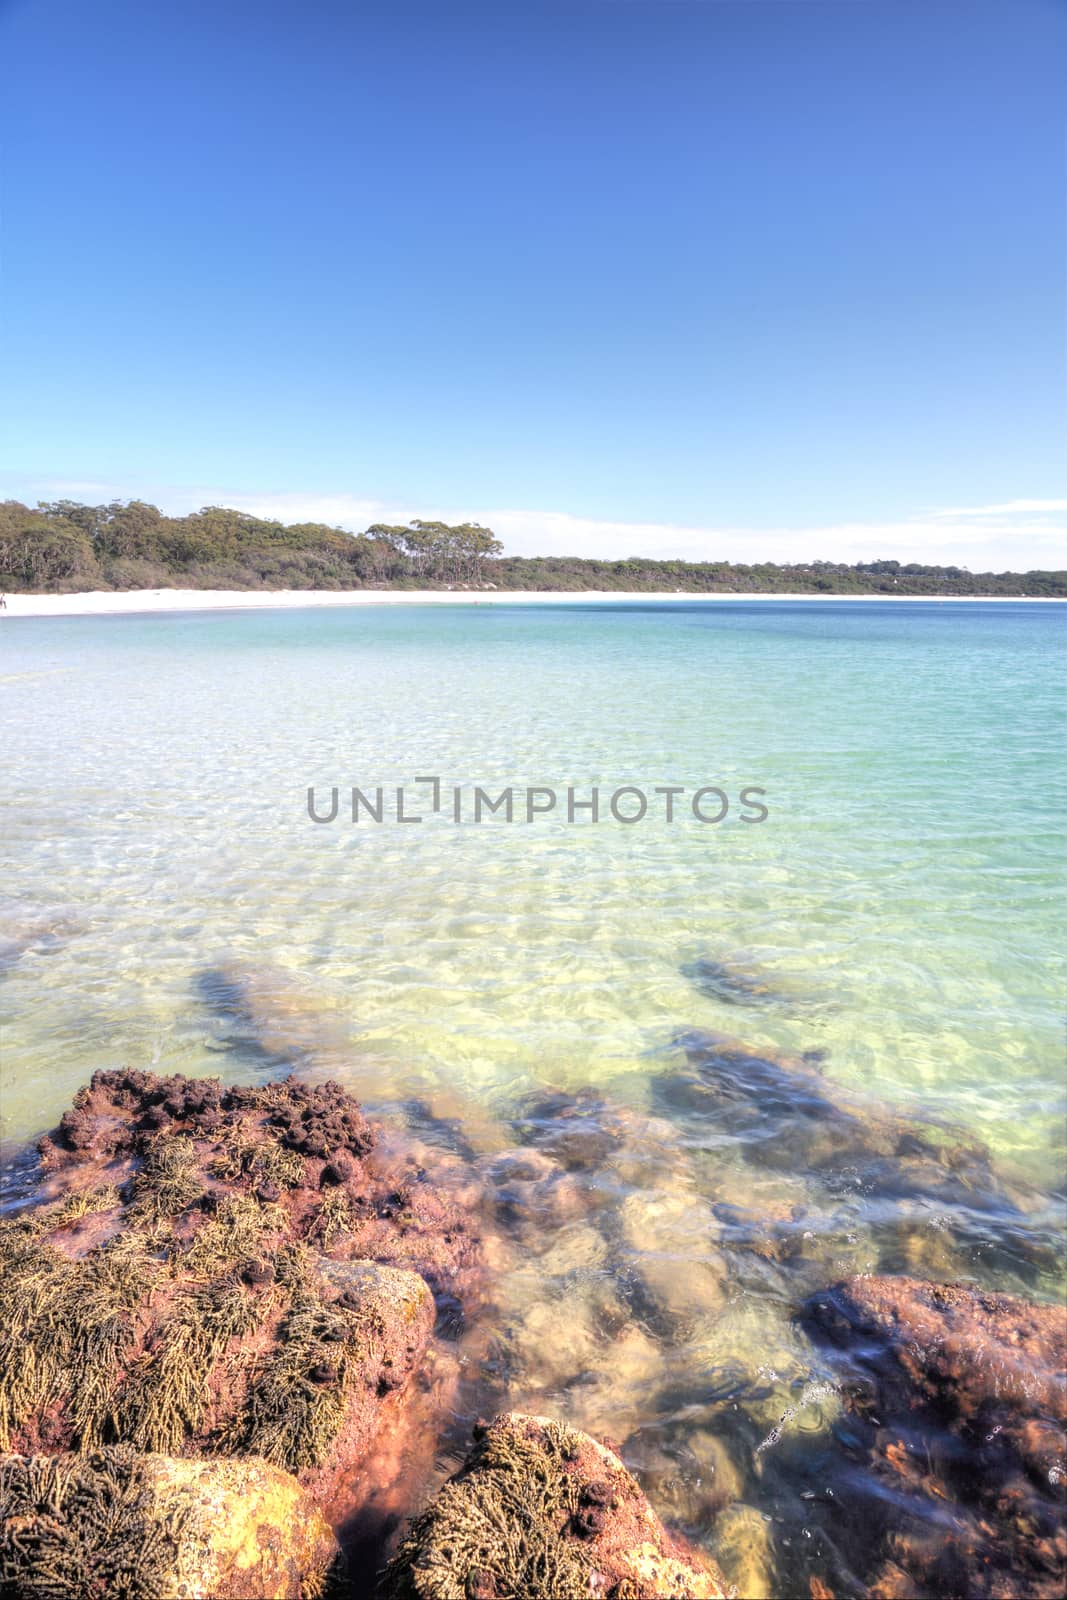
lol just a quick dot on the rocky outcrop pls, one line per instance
(984, 1362)
(148, 1527)
(245, 1271)
(542, 1511)
(257, 1278)
(958, 1408)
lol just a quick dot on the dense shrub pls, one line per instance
(62, 545)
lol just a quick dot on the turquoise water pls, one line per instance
(898, 909)
(904, 887)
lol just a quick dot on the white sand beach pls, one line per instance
(128, 602)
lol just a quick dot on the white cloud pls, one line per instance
(913, 539)
(1006, 508)
(1013, 534)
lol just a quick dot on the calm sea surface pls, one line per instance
(898, 909)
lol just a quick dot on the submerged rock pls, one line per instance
(676, 1277)
(32, 929)
(542, 1511)
(786, 1114)
(958, 1404)
(689, 1473)
(616, 1251)
(931, 1193)
(738, 983)
(532, 1192)
(744, 1544)
(460, 1121)
(148, 1527)
(780, 1107)
(269, 1013)
(983, 1362)
(586, 1133)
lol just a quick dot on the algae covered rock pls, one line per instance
(958, 1409)
(222, 1271)
(389, 1316)
(148, 1527)
(982, 1360)
(543, 1512)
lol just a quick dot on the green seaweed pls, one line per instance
(263, 1160)
(165, 1400)
(166, 1184)
(83, 1526)
(294, 1412)
(65, 1324)
(95, 1320)
(34, 1278)
(83, 1346)
(506, 1519)
(238, 1230)
(333, 1216)
(82, 1203)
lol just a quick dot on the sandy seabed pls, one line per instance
(129, 601)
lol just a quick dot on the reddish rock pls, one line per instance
(959, 1405)
(542, 1511)
(189, 1284)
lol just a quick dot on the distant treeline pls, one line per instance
(62, 546)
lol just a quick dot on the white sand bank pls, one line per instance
(130, 601)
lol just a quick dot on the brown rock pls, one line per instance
(979, 1359)
(387, 1317)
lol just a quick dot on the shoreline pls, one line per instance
(131, 602)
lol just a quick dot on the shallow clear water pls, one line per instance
(899, 905)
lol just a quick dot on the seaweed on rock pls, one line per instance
(166, 1184)
(541, 1511)
(66, 1325)
(167, 1394)
(113, 1523)
(210, 1270)
(83, 1525)
(296, 1406)
(332, 1217)
(505, 1524)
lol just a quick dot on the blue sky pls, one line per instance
(723, 277)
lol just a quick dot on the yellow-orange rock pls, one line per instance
(153, 1527)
